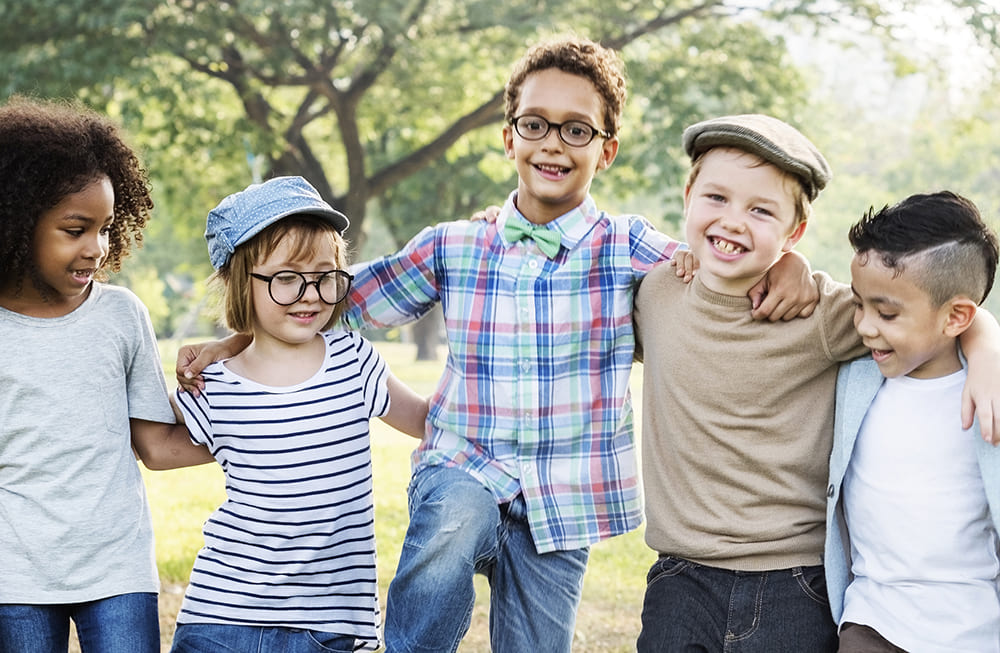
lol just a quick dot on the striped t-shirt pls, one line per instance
(294, 543)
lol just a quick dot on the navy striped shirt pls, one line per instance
(294, 543)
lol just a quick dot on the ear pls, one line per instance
(960, 311)
(795, 236)
(609, 150)
(508, 141)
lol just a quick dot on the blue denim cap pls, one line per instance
(241, 216)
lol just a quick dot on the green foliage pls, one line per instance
(399, 101)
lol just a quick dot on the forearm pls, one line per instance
(166, 446)
(407, 410)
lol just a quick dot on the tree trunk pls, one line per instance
(427, 334)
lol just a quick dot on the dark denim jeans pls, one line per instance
(690, 607)
(127, 623)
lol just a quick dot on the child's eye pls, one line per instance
(75, 233)
(715, 197)
(762, 211)
(887, 317)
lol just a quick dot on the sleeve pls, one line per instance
(146, 387)
(197, 416)
(373, 374)
(649, 247)
(396, 289)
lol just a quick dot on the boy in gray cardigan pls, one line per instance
(918, 496)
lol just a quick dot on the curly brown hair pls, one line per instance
(577, 56)
(50, 149)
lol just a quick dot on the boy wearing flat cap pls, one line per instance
(735, 457)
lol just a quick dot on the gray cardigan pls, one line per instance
(857, 384)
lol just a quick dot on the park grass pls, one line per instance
(181, 500)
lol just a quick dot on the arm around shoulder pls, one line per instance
(981, 396)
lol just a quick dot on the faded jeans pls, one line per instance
(457, 530)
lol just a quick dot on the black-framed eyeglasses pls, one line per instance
(574, 133)
(287, 286)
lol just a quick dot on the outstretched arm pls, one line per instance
(981, 395)
(407, 409)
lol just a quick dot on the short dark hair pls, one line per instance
(51, 149)
(956, 250)
(577, 56)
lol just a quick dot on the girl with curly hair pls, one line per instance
(81, 388)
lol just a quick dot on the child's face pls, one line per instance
(554, 178)
(297, 323)
(896, 318)
(70, 245)
(739, 219)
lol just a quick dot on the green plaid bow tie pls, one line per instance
(548, 240)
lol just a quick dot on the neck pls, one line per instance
(277, 363)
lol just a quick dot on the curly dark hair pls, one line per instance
(577, 56)
(50, 149)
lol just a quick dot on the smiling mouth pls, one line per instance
(552, 169)
(726, 246)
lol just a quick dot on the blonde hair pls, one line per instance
(305, 233)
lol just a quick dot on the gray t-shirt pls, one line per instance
(74, 520)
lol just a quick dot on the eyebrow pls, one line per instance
(879, 301)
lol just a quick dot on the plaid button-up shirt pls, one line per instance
(534, 397)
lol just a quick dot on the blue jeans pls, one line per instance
(213, 638)
(127, 623)
(690, 607)
(457, 530)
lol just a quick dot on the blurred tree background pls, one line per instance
(392, 108)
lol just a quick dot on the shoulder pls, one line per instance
(660, 290)
(117, 298)
(860, 376)
(831, 291)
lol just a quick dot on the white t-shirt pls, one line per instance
(293, 545)
(923, 548)
(74, 520)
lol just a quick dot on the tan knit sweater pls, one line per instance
(737, 422)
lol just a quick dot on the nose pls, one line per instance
(864, 324)
(96, 246)
(552, 140)
(731, 222)
(314, 287)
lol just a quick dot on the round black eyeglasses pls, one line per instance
(574, 133)
(287, 287)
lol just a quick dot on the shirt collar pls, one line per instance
(573, 225)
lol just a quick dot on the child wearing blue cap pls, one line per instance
(289, 558)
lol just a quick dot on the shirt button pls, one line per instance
(533, 264)
(830, 491)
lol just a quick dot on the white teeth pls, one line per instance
(727, 247)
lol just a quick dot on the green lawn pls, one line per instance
(181, 500)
